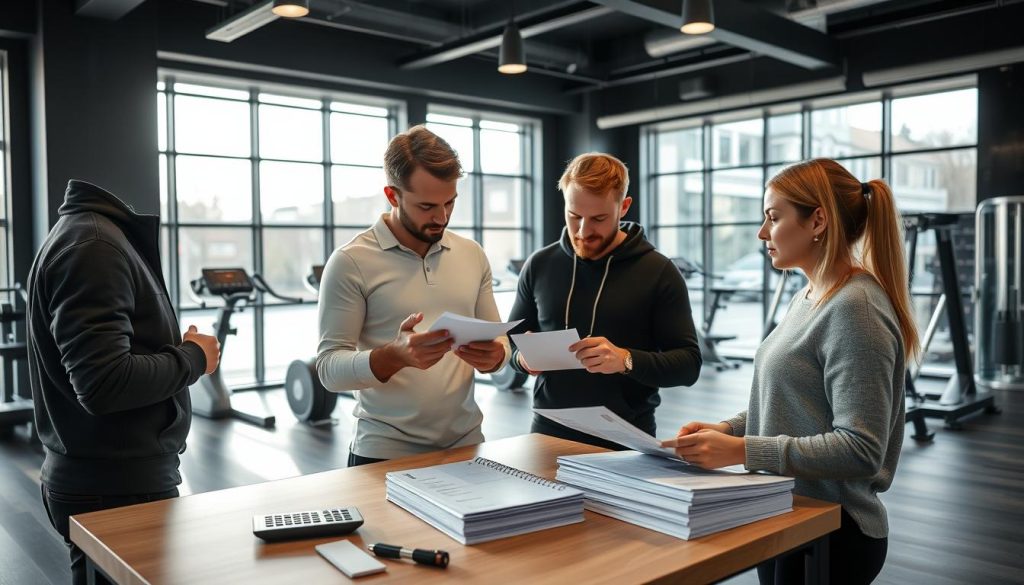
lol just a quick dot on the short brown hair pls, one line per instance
(597, 172)
(419, 147)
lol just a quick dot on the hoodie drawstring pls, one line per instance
(600, 289)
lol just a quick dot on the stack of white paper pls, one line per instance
(480, 500)
(671, 496)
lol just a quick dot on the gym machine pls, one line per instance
(211, 396)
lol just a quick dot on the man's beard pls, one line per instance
(420, 233)
(589, 253)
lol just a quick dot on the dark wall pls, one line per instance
(1001, 132)
(93, 100)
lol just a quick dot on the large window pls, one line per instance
(704, 182)
(271, 183)
(495, 202)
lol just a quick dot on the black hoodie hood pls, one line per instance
(141, 229)
(634, 245)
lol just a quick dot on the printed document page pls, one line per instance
(549, 350)
(467, 329)
(601, 422)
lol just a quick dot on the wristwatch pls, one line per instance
(628, 361)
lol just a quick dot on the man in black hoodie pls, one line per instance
(108, 367)
(628, 302)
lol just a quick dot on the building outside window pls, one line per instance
(706, 206)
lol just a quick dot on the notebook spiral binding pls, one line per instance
(519, 473)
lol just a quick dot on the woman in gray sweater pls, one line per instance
(826, 405)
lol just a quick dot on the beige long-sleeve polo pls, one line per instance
(371, 285)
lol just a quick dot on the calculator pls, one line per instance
(308, 524)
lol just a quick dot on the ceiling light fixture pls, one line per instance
(291, 8)
(698, 17)
(512, 56)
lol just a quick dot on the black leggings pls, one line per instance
(853, 559)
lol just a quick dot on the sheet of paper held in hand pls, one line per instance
(549, 350)
(467, 329)
(601, 422)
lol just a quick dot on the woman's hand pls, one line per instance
(708, 448)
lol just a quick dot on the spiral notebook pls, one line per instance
(481, 500)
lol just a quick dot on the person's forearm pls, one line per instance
(385, 362)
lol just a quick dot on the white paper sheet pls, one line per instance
(467, 329)
(549, 350)
(601, 422)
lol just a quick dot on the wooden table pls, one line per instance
(207, 538)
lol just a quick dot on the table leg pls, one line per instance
(816, 562)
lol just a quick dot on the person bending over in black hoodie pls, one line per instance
(109, 369)
(628, 302)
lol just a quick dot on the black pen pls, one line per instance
(437, 558)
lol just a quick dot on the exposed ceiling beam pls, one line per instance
(489, 38)
(747, 27)
(105, 9)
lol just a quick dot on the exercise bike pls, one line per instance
(309, 400)
(211, 395)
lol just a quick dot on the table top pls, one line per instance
(207, 538)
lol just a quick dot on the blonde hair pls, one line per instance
(419, 147)
(596, 172)
(856, 213)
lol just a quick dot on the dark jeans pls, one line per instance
(355, 460)
(60, 507)
(853, 559)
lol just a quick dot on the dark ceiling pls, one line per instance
(606, 43)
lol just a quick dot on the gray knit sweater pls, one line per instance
(826, 405)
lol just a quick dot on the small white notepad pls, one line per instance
(549, 350)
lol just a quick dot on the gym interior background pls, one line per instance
(258, 140)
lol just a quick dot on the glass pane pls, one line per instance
(289, 333)
(847, 130)
(464, 232)
(503, 202)
(737, 143)
(680, 150)
(936, 181)
(785, 137)
(235, 94)
(736, 195)
(286, 100)
(459, 138)
(359, 140)
(864, 169)
(161, 121)
(686, 247)
(165, 257)
(343, 236)
(680, 198)
(358, 194)
(445, 119)
(738, 266)
(935, 120)
(291, 134)
(359, 109)
(220, 247)
(503, 126)
(501, 152)
(163, 187)
(291, 192)
(211, 126)
(502, 246)
(462, 215)
(213, 189)
(288, 256)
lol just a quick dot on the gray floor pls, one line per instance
(955, 507)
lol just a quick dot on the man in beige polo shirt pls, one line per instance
(415, 391)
